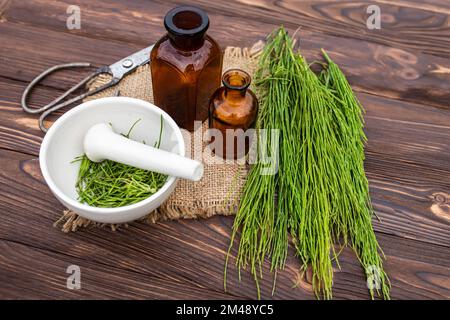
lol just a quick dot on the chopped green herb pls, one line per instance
(110, 184)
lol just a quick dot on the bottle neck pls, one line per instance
(235, 82)
(233, 94)
(186, 43)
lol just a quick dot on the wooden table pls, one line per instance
(400, 72)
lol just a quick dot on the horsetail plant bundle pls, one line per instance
(257, 206)
(320, 194)
(356, 225)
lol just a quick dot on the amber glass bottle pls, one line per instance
(233, 106)
(186, 66)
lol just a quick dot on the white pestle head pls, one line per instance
(97, 134)
(101, 142)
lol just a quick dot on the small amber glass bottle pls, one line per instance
(233, 106)
(186, 65)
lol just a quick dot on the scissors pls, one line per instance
(117, 70)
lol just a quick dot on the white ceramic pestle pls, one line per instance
(101, 142)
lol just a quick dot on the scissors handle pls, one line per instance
(56, 103)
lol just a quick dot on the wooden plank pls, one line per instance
(428, 21)
(29, 272)
(411, 275)
(371, 68)
(193, 252)
(408, 160)
(172, 251)
(413, 132)
(4, 5)
(25, 53)
(19, 130)
(407, 157)
(137, 22)
(405, 25)
(410, 206)
(428, 5)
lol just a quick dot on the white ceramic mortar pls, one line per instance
(64, 142)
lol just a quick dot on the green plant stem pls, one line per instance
(355, 225)
(320, 193)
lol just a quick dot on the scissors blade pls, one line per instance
(128, 64)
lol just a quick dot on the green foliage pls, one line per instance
(320, 194)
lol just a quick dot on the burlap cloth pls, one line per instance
(219, 189)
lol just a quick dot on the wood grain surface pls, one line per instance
(401, 74)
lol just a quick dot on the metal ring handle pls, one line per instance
(42, 76)
(53, 108)
(56, 103)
